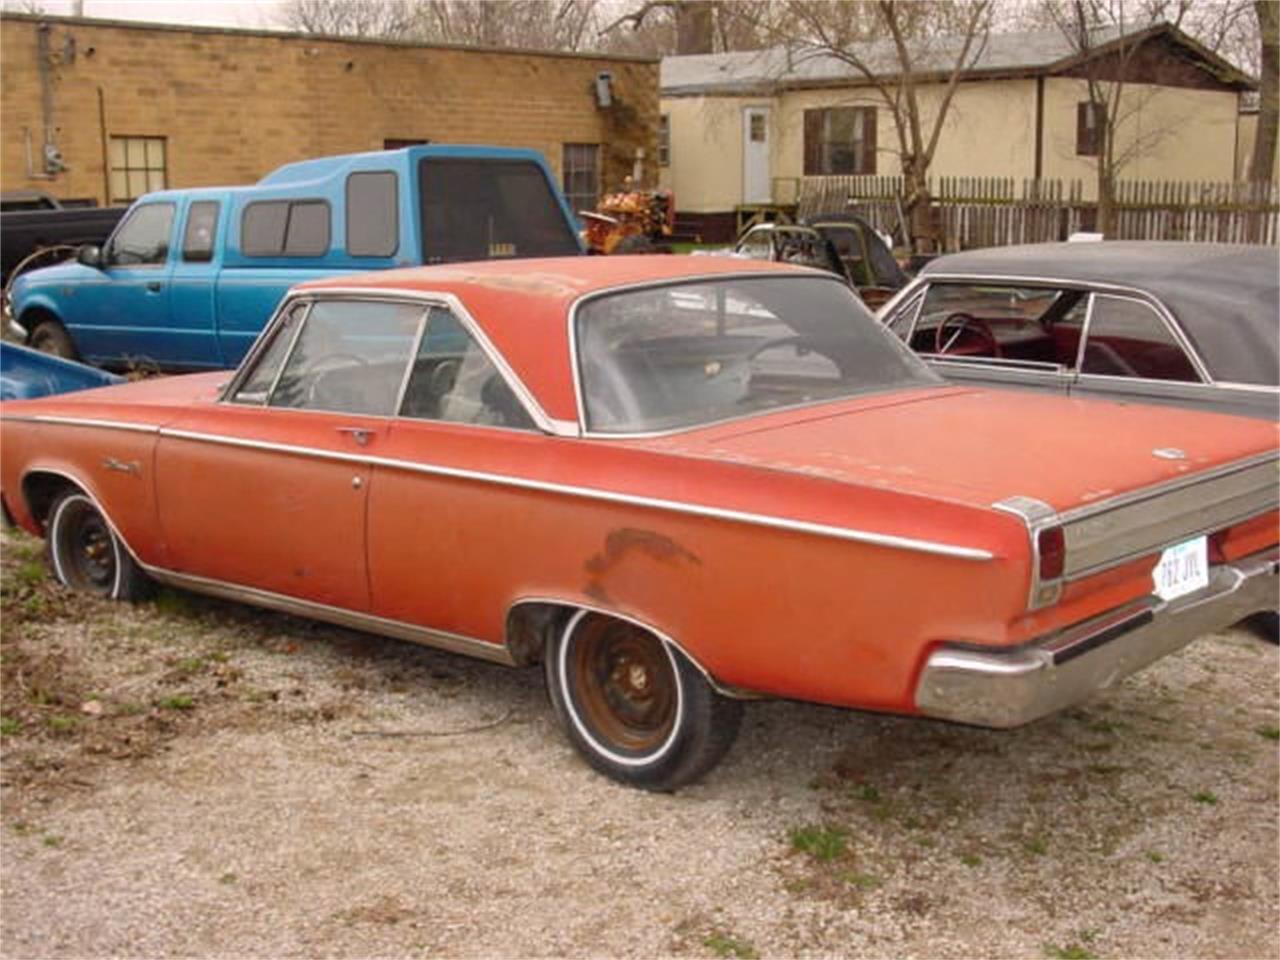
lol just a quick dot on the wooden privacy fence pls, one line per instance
(996, 211)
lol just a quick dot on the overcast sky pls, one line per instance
(226, 13)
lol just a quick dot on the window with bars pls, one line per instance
(138, 166)
(581, 175)
(840, 140)
(1090, 119)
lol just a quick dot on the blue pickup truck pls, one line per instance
(189, 277)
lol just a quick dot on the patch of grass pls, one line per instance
(865, 791)
(1036, 846)
(9, 726)
(1071, 951)
(171, 603)
(1155, 856)
(228, 878)
(51, 840)
(1207, 797)
(970, 859)
(31, 573)
(129, 709)
(63, 723)
(863, 881)
(822, 843)
(190, 665)
(724, 945)
(1268, 733)
(179, 702)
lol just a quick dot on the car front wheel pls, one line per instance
(634, 706)
(86, 554)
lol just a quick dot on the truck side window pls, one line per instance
(373, 207)
(285, 228)
(143, 237)
(202, 230)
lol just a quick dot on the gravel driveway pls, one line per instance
(195, 778)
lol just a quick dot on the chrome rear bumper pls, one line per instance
(1007, 688)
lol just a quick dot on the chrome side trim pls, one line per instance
(452, 642)
(735, 693)
(80, 422)
(1035, 515)
(607, 496)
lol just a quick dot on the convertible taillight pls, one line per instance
(1052, 546)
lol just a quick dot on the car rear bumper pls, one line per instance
(1007, 688)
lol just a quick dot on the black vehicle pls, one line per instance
(842, 243)
(31, 221)
(1186, 324)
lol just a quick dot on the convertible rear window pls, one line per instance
(677, 356)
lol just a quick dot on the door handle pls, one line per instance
(361, 435)
(153, 286)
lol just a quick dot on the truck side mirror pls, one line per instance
(90, 256)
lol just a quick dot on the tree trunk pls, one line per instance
(1263, 164)
(695, 26)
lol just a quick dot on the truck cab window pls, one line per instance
(201, 232)
(143, 237)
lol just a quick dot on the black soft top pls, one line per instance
(1225, 296)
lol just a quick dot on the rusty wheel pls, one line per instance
(635, 708)
(86, 554)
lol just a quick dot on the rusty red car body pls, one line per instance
(913, 547)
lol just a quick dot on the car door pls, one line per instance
(192, 331)
(267, 488)
(125, 319)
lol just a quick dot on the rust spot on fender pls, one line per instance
(626, 540)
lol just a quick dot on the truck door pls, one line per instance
(124, 320)
(192, 327)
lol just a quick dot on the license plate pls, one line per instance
(1183, 569)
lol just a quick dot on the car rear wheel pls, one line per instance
(634, 707)
(86, 554)
(49, 336)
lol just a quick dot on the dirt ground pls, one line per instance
(196, 778)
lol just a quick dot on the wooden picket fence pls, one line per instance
(997, 211)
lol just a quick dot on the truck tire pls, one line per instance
(49, 336)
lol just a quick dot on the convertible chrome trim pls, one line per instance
(79, 422)
(609, 496)
(398, 629)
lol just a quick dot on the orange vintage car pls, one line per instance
(677, 483)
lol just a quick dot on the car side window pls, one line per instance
(143, 237)
(904, 315)
(257, 384)
(453, 379)
(1128, 338)
(756, 244)
(350, 357)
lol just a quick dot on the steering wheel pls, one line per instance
(982, 342)
(318, 370)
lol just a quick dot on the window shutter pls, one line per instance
(867, 162)
(813, 143)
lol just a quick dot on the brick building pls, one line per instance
(108, 109)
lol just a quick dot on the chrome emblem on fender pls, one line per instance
(1168, 453)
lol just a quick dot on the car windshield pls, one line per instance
(668, 357)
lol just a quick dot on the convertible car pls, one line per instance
(1185, 324)
(677, 483)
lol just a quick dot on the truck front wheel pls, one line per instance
(49, 336)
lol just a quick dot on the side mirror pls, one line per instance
(90, 256)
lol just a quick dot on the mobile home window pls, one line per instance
(285, 228)
(138, 165)
(373, 225)
(1089, 121)
(664, 140)
(840, 140)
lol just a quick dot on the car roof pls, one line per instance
(522, 305)
(1225, 296)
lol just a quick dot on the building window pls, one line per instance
(1090, 119)
(664, 140)
(138, 166)
(840, 140)
(399, 143)
(581, 175)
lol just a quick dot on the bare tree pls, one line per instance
(897, 48)
(665, 27)
(1264, 144)
(527, 24)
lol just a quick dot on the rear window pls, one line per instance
(475, 209)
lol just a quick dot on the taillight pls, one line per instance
(1052, 546)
